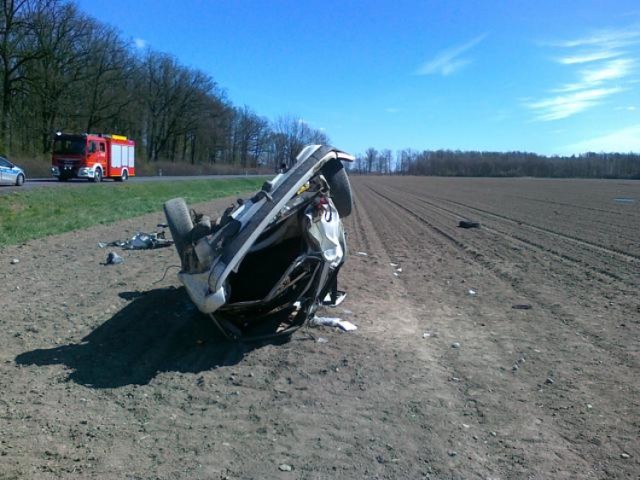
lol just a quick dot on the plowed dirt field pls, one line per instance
(508, 351)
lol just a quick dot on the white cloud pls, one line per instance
(564, 106)
(589, 57)
(610, 71)
(449, 61)
(624, 140)
(610, 56)
(590, 78)
(392, 110)
(139, 43)
(610, 39)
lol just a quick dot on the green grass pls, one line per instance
(37, 213)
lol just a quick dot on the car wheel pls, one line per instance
(180, 224)
(97, 177)
(338, 181)
(20, 180)
(125, 176)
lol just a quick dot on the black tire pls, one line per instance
(180, 224)
(97, 177)
(19, 180)
(338, 181)
(125, 176)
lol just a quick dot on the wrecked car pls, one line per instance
(268, 262)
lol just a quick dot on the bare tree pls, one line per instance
(371, 156)
(290, 136)
(108, 70)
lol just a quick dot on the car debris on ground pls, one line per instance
(141, 241)
(332, 322)
(113, 259)
(468, 224)
(521, 306)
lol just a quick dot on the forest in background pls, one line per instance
(456, 163)
(63, 70)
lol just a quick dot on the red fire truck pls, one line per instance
(93, 157)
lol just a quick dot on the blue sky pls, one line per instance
(552, 77)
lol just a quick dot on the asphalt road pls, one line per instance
(53, 182)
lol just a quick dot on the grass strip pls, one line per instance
(37, 213)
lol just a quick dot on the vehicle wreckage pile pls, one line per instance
(265, 266)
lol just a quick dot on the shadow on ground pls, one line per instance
(159, 331)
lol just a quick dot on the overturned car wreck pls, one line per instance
(265, 266)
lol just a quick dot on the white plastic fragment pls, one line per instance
(362, 254)
(472, 291)
(395, 274)
(14, 261)
(399, 270)
(339, 299)
(347, 326)
(393, 264)
(332, 322)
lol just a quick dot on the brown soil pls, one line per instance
(109, 372)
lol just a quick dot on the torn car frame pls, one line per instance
(265, 266)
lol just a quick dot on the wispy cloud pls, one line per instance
(608, 39)
(594, 77)
(589, 57)
(450, 60)
(139, 43)
(392, 110)
(563, 106)
(603, 64)
(623, 140)
(608, 71)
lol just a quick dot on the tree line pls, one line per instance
(497, 164)
(63, 70)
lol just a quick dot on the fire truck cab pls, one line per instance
(93, 157)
